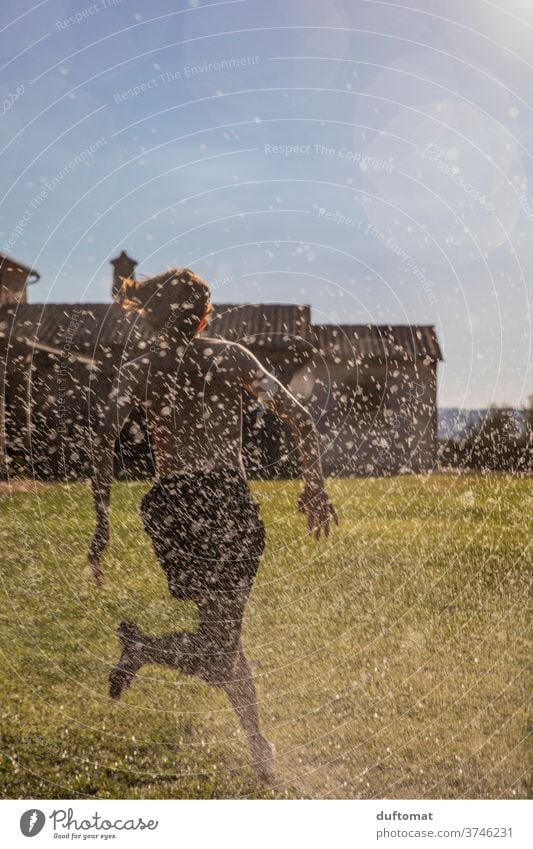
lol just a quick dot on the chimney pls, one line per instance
(123, 266)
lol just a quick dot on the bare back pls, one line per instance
(194, 406)
(193, 398)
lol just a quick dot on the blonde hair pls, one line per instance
(178, 291)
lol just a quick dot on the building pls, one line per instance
(14, 277)
(59, 361)
(371, 388)
(373, 392)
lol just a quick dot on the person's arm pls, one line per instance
(313, 501)
(125, 394)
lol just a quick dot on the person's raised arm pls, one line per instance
(313, 501)
(126, 393)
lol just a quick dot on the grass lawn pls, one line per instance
(391, 660)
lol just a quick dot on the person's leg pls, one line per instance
(210, 653)
(215, 655)
(215, 652)
(179, 650)
(243, 697)
(159, 510)
(224, 664)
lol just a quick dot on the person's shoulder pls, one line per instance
(220, 348)
(201, 343)
(137, 369)
(141, 362)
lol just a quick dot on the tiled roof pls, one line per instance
(93, 326)
(382, 341)
(268, 325)
(107, 325)
(86, 327)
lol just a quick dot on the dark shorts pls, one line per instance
(207, 533)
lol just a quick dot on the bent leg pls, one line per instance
(210, 653)
(179, 650)
(214, 654)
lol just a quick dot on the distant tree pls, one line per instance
(501, 440)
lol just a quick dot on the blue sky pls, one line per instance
(372, 159)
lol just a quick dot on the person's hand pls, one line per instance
(98, 544)
(315, 504)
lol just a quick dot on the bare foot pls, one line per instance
(96, 569)
(130, 662)
(99, 577)
(264, 760)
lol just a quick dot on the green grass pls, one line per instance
(391, 660)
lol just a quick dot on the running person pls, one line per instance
(205, 528)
